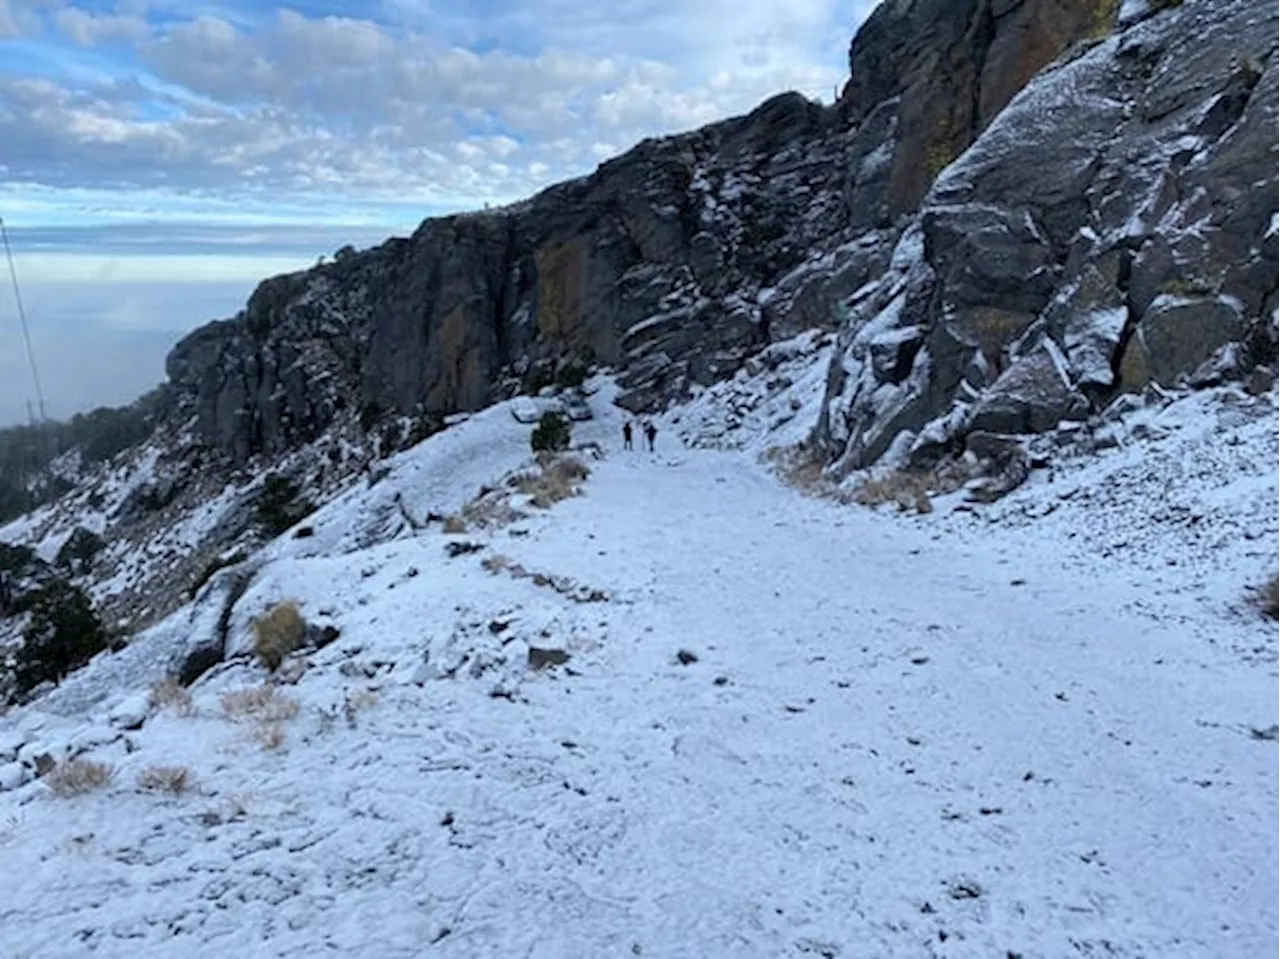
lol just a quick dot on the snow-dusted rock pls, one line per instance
(10, 742)
(13, 775)
(131, 712)
(1177, 334)
(1031, 396)
(41, 756)
(1135, 248)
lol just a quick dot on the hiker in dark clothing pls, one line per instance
(650, 433)
(626, 436)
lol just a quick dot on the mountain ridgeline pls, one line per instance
(1016, 210)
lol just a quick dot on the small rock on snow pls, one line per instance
(131, 712)
(13, 775)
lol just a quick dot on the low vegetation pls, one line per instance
(72, 777)
(277, 633)
(174, 780)
(62, 634)
(802, 467)
(270, 735)
(168, 693)
(263, 703)
(77, 553)
(280, 505)
(558, 479)
(553, 434)
(495, 563)
(454, 524)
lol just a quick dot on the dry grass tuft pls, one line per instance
(270, 736)
(801, 467)
(558, 480)
(568, 468)
(259, 702)
(904, 488)
(277, 633)
(495, 563)
(174, 780)
(1267, 598)
(909, 489)
(168, 693)
(454, 524)
(492, 508)
(71, 777)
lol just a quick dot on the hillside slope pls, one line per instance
(960, 734)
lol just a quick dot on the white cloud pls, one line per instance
(88, 29)
(7, 26)
(246, 107)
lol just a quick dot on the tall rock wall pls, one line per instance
(1114, 225)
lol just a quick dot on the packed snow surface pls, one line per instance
(785, 727)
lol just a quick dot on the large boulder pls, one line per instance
(1032, 396)
(1176, 335)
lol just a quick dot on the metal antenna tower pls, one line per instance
(22, 318)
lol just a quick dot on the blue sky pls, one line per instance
(159, 157)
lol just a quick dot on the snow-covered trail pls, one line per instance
(890, 744)
(903, 716)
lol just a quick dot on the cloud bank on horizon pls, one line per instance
(155, 145)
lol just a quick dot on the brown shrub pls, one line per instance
(906, 489)
(164, 779)
(270, 736)
(558, 480)
(491, 508)
(277, 633)
(168, 693)
(71, 777)
(568, 468)
(454, 524)
(259, 702)
(800, 467)
(909, 489)
(495, 563)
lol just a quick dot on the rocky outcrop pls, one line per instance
(673, 262)
(653, 264)
(950, 67)
(1115, 225)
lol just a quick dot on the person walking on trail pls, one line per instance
(626, 435)
(650, 433)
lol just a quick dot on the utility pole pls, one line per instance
(22, 318)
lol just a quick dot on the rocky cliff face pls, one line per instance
(672, 262)
(652, 264)
(1114, 226)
